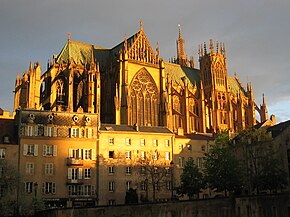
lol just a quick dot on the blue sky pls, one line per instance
(256, 35)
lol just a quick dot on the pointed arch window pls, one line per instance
(60, 92)
(144, 97)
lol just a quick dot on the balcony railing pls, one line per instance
(74, 161)
(75, 181)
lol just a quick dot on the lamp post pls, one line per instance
(172, 178)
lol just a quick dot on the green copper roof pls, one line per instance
(177, 73)
(78, 52)
(235, 86)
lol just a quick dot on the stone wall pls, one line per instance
(254, 206)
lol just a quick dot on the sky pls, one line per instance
(256, 34)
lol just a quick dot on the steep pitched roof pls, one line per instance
(235, 86)
(178, 72)
(79, 52)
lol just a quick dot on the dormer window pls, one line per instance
(6, 139)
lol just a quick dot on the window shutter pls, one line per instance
(35, 150)
(53, 187)
(44, 147)
(45, 131)
(25, 149)
(80, 153)
(35, 130)
(80, 171)
(70, 152)
(69, 173)
(93, 154)
(55, 150)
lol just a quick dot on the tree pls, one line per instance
(9, 180)
(131, 196)
(264, 167)
(191, 180)
(154, 171)
(221, 168)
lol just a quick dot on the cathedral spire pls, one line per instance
(181, 54)
(141, 26)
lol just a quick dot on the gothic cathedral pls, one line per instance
(130, 84)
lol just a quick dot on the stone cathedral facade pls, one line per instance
(130, 84)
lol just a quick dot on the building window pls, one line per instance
(143, 186)
(190, 159)
(32, 130)
(189, 147)
(30, 168)
(111, 154)
(111, 169)
(6, 139)
(155, 155)
(49, 187)
(88, 154)
(88, 172)
(167, 155)
(75, 133)
(30, 150)
(167, 171)
(180, 147)
(155, 142)
(167, 144)
(128, 141)
(2, 153)
(168, 185)
(111, 141)
(89, 190)
(142, 142)
(28, 187)
(111, 202)
(89, 133)
(143, 155)
(181, 162)
(157, 186)
(128, 185)
(199, 162)
(49, 169)
(49, 131)
(85, 154)
(142, 170)
(75, 190)
(111, 186)
(49, 150)
(74, 173)
(128, 155)
(128, 170)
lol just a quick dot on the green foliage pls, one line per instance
(191, 180)
(222, 169)
(264, 166)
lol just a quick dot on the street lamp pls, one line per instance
(172, 178)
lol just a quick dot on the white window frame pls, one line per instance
(167, 143)
(111, 186)
(128, 185)
(155, 142)
(29, 168)
(142, 142)
(2, 153)
(143, 155)
(128, 170)
(128, 141)
(87, 173)
(28, 187)
(49, 167)
(49, 150)
(111, 141)
(75, 132)
(128, 155)
(167, 155)
(155, 155)
(111, 170)
(181, 162)
(49, 188)
(30, 150)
